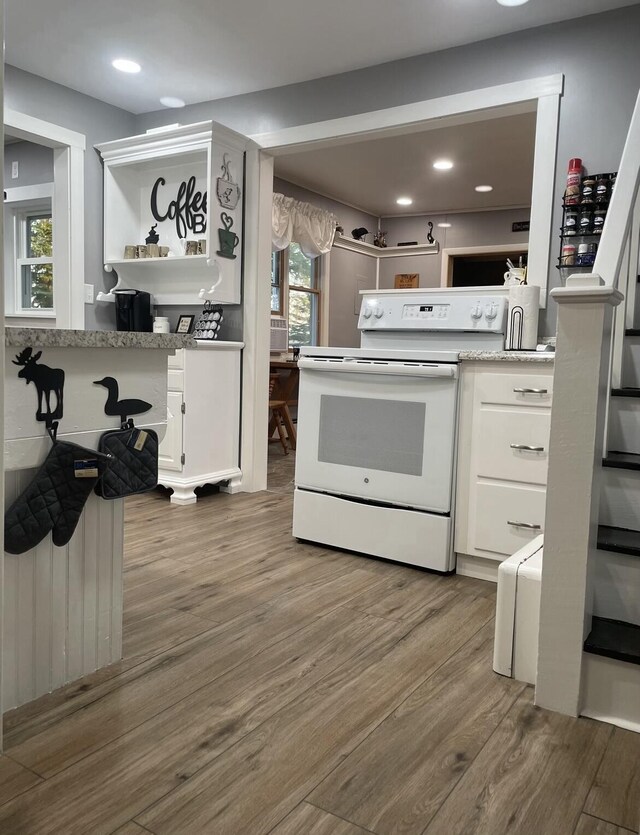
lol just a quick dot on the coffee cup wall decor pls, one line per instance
(227, 190)
(228, 239)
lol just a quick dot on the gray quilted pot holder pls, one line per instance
(54, 499)
(133, 468)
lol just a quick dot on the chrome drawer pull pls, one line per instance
(525, 525)
(527, 447)
(530, 391)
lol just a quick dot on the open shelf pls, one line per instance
(342, 242)
(137, 263)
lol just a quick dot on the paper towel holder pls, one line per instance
(516, 328)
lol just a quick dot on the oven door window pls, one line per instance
(383, 435)
(377, 437)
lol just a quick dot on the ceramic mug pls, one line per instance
(514, 276)
(202, 246)
(141, 251)
(130, 251)
(153, 251)
(191, 248)
(164, 251)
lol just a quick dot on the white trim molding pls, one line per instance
(68, 211)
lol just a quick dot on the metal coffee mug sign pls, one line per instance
(227, 190)
(188, 208)
(228, 239)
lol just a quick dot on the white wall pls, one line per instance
(35, 164)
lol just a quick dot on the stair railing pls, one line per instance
(582, 381)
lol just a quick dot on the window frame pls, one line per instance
(22, 217)
(20, 203)
(281, 262)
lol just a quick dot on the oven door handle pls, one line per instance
(357, 366)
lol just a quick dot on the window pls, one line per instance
(295, 288)
(34, 262)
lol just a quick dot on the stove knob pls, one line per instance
(378, 312)
(367, 313)
(476, 312)
(491, 311)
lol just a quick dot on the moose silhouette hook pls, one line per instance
(47, 381)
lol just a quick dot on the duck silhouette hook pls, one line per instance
(121, 408)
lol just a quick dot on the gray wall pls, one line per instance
(99, 122)
(35, 164)
(350, 272)
(598, 54)
(467, 229)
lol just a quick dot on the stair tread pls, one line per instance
(619, 540)
(614, 639)
(627, 391)
(622, 460)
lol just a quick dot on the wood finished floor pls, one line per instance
(270, 686)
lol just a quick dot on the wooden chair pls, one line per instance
(280, 418)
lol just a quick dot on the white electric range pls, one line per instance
(377, 427)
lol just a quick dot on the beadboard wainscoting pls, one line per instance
(65, 618)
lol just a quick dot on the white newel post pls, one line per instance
(581, 378)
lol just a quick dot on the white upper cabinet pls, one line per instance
(188, 182)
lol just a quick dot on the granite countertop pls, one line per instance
(61, 338)
(507, 356)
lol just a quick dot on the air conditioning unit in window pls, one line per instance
(279, 335)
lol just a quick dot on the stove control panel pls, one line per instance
(431, 312)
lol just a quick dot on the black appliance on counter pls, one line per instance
(133, 311)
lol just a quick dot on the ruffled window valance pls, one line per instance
(310, 227)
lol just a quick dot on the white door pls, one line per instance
(171, 447)
(381, 431)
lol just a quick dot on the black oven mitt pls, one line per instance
(55, 498)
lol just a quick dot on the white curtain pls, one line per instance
(308, 226)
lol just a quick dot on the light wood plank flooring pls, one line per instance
(271, 686)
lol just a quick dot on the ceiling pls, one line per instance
(199, 50)
(371, 175)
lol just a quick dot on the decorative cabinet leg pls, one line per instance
(234, 485)
(183, 495)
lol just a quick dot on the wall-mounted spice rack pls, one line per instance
(584, 212)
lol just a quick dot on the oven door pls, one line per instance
(381, 431)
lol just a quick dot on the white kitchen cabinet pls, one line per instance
(202, 442)
(175, 179)
(503, 447)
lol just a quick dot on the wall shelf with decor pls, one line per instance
(184, 187)
(343, 242)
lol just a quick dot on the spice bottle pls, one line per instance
(602, 188)
(570, 222)
(585, 223)
(572, 193)
(568, 256)
(588, 190)
(598, 220)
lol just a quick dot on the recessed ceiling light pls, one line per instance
(443, 165)
(125, 65)
(404, 201)
(444, 225)
(512, 2)
(172, 101)
(484, 188)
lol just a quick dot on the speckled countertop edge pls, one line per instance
(507, 356)
(61, 338)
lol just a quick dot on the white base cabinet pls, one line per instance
(202, 441)
(503, 447)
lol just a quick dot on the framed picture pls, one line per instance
(405, 281)
(185, 323)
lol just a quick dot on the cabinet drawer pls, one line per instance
(503, 436)
(175, 380)
(515, 389)
(177, 360)
(496, 506)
